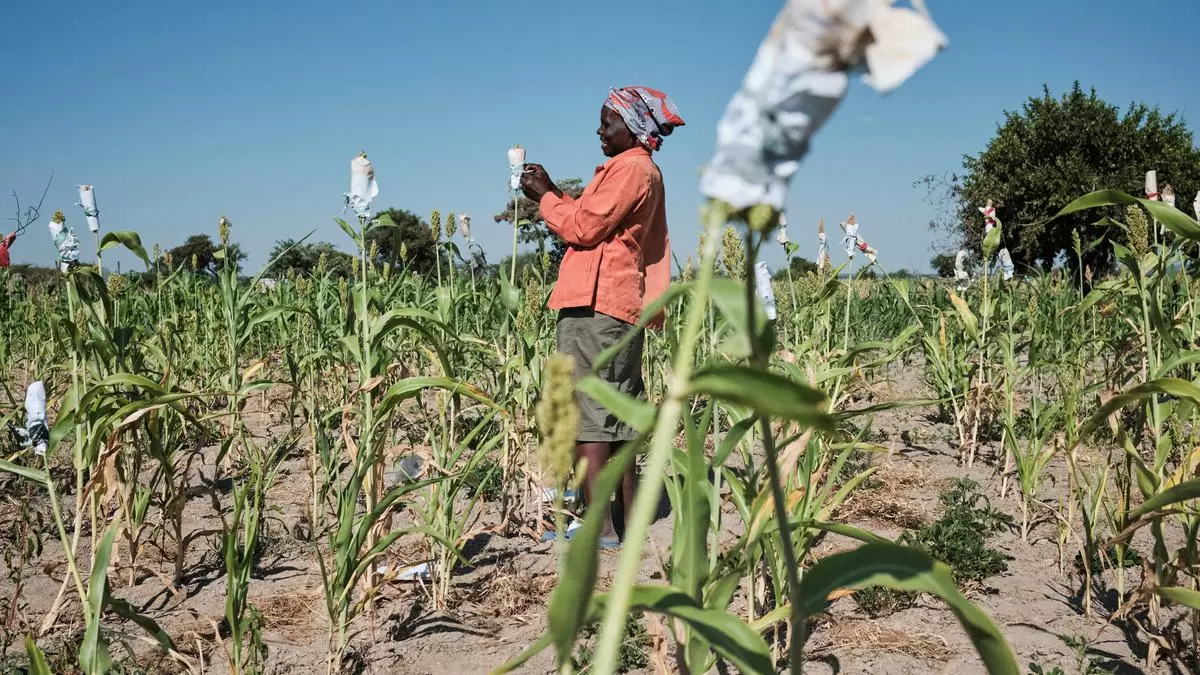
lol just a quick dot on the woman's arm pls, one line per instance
(591, 219)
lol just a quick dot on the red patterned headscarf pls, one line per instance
(649, 113)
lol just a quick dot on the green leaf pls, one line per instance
(1163, 385)
(37, 660)
(970, 323)
(93, 651)
(1183, 492)
(729, 636)
(127, 238)
(991, 241)
(1172, 218)
(36, 475)
(765, 392)
(636, 413)
(354, 236)
(905, 569)
(729, 297)
(126, 611)
(569, 603)
(1184, 596)
(509, 295)
(409, 387)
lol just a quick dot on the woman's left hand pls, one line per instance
(535, 182)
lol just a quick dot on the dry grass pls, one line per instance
(889, 499)
(290, 616)
(843, 635)
(511, 592)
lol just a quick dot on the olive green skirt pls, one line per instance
(584, 333)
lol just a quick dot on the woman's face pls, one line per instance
(615, 137)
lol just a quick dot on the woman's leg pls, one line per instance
(596, 454)
(627, 488)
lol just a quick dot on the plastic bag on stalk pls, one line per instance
(36, 433)
(799, 75)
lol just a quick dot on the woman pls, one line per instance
(617, 261)
(5, 244)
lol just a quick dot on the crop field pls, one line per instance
(323, 473)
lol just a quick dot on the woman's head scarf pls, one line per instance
(649, 113)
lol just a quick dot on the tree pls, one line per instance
(1051, 152)
(943, 265)
(532, 227)
(799, 267)
(201, 249)
(410, 236)
(304, 258)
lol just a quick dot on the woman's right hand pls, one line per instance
(535, 182)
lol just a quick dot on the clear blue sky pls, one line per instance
(179, 112)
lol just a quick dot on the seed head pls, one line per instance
(157, 252)
(59, 217)
(116, 284)
(451, 225)
(689, 270)
(404, 251)
(343, 293)
(322, 265)
(435, 224)
(169, 259)
(373, 253)
(223, 230)
(1139, 229)
(1087, 273)
(942, 333)
(195, 262)
(558, 418)
(733, 255)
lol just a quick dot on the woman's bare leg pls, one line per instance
(596, 454)
(628, 487)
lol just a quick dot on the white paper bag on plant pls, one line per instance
(363, 187)
(1006, 264)
(961, 278)
(36, 431)
(762, 285)
(516, 166)
(799, 75)
(87, 201)
(850, 238)
(65, 241)
(1152, 185)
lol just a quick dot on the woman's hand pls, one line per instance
(535, 183)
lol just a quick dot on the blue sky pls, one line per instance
(180, 112)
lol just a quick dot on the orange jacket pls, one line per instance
(618, 256)
(5, 244)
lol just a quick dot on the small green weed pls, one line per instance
(631, 655)
(877, 601)
(959, 537)
(484, 479)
